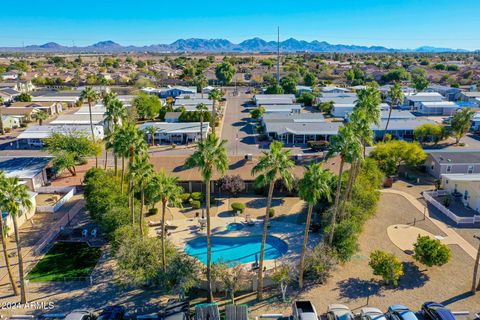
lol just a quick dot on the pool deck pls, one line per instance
(292, 234)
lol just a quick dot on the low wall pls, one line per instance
(68, 194)
(430, 197)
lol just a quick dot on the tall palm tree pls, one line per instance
(129, 142)
(151, 130)
(314, 186)
(348, 146)
(274, 165)
(3, 234)
(165, 189)
(15, 199)
(201, 107)
(140, 173)
(209, 157)
(396, 98)
(89, 95)
(115, 115)
(214, 95)
(2, 129)
(108, 97)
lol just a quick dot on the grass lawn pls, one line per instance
(65, 260)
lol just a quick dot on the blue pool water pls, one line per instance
(235, 226)
(236, 249)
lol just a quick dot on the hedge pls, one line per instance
(238, 206)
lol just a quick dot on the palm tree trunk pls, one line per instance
(132, 204)
(351, 180)
(106, 158)
(164, 263)
(2, 129)
(386, 125)
(91, 128)
(123, 173)
(264, 240)
(7, 260)
(213, 116)
(337, 200)
(304, 247)
(209, 244)
(23, 293)
(201, 126)
(142, 201)
(115, 163)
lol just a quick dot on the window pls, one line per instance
(449, 169)
(470, 170)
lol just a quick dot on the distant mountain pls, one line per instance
(220, 45)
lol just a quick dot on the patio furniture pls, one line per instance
(207, 311)
(249, 221)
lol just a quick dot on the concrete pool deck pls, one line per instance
(291, 233)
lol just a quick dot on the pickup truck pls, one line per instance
(304, 310)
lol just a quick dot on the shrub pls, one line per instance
(231, 184)
(345, 239)
(386, 265)
(431, 252)
(195, 204)
(197, 196)
(185, 197)
(152, 211)
(238, 206)
(271, 212)
(319, 262)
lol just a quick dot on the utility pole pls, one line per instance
(475, 286)
(278, 55)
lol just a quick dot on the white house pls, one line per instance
(413, 101)
(442, 108)
(465, 186)
(176, 132)
(275, 99)
(282, 108)
(10, 75)
(333, 89)
(303, 89)
(33, 136)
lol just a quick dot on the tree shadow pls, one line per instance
(262, 202)
(457, 298)
(356, 288)
(238, 164)
(413, 277)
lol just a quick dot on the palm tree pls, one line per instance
(15, 199)
(314, 186)
(214, 95)
(108, 97)
(3, 234)
(165, 189)
(273, 166)
(151, 130)
(128, 142)
(2, 129)
(201, 107)
(396, 96)
(209, 157)
(89, 95)
(140, 173)
(115, 114)
(40, 116)
(348, 146)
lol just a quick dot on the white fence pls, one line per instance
(429, 196)
(68, 194)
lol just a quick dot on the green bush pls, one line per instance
(386, 265)
(195, 204)
(271, 212)
(152, 212)
(238, 206)
(197, 196)
(185, 197)
(431, 252)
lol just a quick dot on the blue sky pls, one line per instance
(392, 23)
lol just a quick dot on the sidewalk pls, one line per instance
(453, 236)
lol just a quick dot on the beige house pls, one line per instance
(24, 216)
(47, 106)
(465, 185)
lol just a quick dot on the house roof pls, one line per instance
(18, 111)
(300, 128)
(294, 117)
(78, 118)
(32, 104)
(403, 124)
(464, 157)
(192, 102)
(23, 167)
(42, 132)
(176, 127)
(462, 177)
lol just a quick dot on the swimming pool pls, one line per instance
(236, 249)
(234, 226)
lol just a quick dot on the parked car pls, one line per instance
(80, 315)
(436, 311)
(339, 312)
(113, 313)
(304, 310)
(399, 312)
(372, 314)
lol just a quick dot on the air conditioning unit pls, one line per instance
(248, 157)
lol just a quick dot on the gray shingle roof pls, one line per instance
(456, 157)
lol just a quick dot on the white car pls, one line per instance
(372, 314)
(339, 312)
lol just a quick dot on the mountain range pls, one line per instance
(219, 45)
